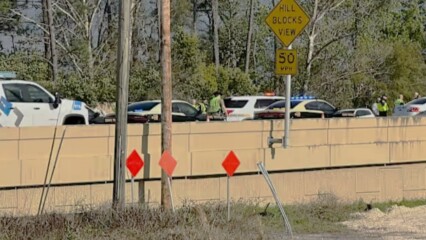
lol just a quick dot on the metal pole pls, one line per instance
(277, 200)
(133, 182)
(123, 66)
(287, 109)
(169, 182)
(227, 199)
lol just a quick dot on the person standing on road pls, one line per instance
(194, 102)
(216, 108)
(199, 105)
(400, 100)
(375, 107)
(383, 106)
(416, 96)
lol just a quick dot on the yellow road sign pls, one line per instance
(287, 20)
(286, 62)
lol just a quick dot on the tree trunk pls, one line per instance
(166, 98)
(249, 36)
(311, 49)
(277, 79)
(88, 33)
(135, 30)
(52, 42)
(46, 34)
(215, 12)
(159, 9)
(194, 15)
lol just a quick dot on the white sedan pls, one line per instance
(412, 108)
(358, 113)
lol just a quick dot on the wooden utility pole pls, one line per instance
(166, 98)
(123, 67)
(215, 12)
(52, 42)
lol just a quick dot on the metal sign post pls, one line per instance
(287, 109)
(132, 182)
(227, 198)
(134, 164)
(168, 164)
(169, 182)
(230, 164)
(282, 23)
(265, 174)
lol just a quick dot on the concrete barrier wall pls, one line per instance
(86, 156)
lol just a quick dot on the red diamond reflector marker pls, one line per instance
(134, 163)
(231, 163)
(167, 163)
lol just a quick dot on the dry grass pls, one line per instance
(206, 221)
(192, 221)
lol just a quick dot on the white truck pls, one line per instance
(25, 103)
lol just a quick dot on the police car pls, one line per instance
(300, 107)
(25, 103)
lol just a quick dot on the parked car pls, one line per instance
(357, 112)
(243, 107)
(181, 111)
(110, 118)
(411, 108)
(301, 107)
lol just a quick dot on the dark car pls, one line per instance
(181, 111)
(110, 119)
(299, 108)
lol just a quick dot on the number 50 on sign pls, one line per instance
(286, 62)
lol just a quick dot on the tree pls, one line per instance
(215, 13)
(52, 42)
(249, 36)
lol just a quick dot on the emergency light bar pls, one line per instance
(7, 75)
(302, 98)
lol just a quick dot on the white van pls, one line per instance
(25, 103)
(243, 107)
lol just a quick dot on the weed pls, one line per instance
(385, 206)
(249, 220)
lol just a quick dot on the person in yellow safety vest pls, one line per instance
(200, 106)
(400, 100)
(383, 107)
(216, 108)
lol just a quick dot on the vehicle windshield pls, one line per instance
(229, 103)
(281, 104)
(141, 107)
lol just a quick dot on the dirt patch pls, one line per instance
(398, 222)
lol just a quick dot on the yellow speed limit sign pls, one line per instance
(286, 62)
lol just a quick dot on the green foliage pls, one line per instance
(233, 81)
(233, 33)
(99, 89)
(362, 49)
(28, 66)
(407, 22)
(5, 6)
(407, 70)
(195, 78)
(145, 82)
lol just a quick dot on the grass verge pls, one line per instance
(207, 221)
